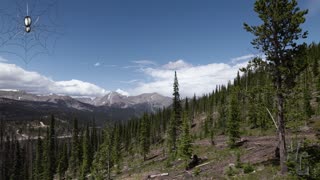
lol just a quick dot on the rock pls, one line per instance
(193, 163)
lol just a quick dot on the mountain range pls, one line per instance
(20, 105)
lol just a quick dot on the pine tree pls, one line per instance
(87, 154)
(116, 149)
(194, 107)
(74, 160)
(102, 163)
(38, 170)
(45, 158)
(222, 114)
(187, 109)
(25, 165)
(253, 111)
(51, 149)
(94, 136)
(277, 37)
(176, 109)
(233, 120)
(171, 137)
(63, 162)
(144, 136)
(315, 67)
(185, 147)
(17, 163)
(306, 101)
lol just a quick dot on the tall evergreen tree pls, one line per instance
(116, 149)
(277, 37)
(102, 163)
(45, 158)
(187, 109)
(87, 154)
(17, 163)
(144, 136)
(171, 137)
(51, 149)
(94, 136)
(185, 147)
(74, 161)
(306, 102)
(315, 67)
(176, 109)
(233, 120)
(63, 162)
(38, 169)
(223, 111)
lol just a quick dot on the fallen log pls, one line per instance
(157, 175)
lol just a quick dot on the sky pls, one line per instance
(132, 47)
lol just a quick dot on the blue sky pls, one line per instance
(126, 44)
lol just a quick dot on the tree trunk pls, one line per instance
(281, 134)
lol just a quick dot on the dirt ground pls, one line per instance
(256, 150)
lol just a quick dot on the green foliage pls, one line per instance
(45, 158)
(177, 109)
(231, 171)
(185, 147)
(233, 120)
(74, 161)
(315, 171)
(144, 136)
(17, 163)
(51, 149)
(87, 154)
(116, 148)
(304, 160)
(62, 162)
(248, 168)
(38, 169)
(197, 171)
(277, 37)
(103, 161)
(238, 161)
(307, 107)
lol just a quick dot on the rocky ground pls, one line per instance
(256, 150)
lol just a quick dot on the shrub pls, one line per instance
(231, 171)
(248, 168)
(196, 171)
(238, 162)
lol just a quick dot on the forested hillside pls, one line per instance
(263, 124)
(242, 108)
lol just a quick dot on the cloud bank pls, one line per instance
(14, 77)
(193, 79)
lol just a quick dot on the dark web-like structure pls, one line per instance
(29, 28)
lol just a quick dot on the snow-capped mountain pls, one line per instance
(52, 98)
(112, 105)
(114, 99)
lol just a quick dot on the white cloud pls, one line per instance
(130, 81)
(110, 65)
(14, 77)
(140, 64)
(144, 62)
(192, 79)
(243, 58)
(97, 64)
(175, 65)
(122, 92)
